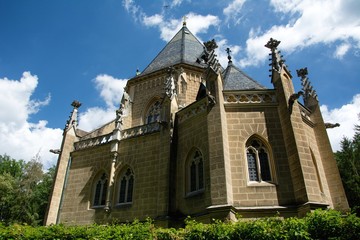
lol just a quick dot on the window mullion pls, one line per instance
(258, 167)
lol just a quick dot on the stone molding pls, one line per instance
(92, 142)
(241, 98)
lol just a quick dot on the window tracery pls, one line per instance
(126, 187)
(258, 161)
(100, 191)
(195, 169)
(153, 113)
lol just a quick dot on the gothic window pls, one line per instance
(153, 113)
(258, 161)
(126, 187)
(195, 172)
(100, 191)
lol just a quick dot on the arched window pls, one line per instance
(100, 191)
(126, 187)
(195, 172)
(258, 161)
(153, 113)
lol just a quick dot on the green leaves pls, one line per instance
(320, 224)
(348, 161)
(24, 191)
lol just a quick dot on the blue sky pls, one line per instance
(52, 52)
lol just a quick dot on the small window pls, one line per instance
(153, 114)
(126, 187)
(100, 191)
(195, 172)
(258, 161)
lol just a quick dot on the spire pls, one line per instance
(310, 95)
(276, 59)
(73, 122)
(184, 47)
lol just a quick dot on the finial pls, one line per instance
(310, 95)
(302, 72)
(76, 104)
(272, 44)
(210, 45)
(228, 52)
(184, 21)
(137, 72)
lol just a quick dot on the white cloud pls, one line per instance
(19, 138)
(311, 22)
(168, 28)
(95, 117)
(222, 54)
(232, 11)
(346, 116)
(175, 3)
(136, 12)
(341, 50)
(111, 90)
(153, 20)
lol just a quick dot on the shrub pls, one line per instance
(320, 224)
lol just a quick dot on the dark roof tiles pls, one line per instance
(235, 79)
(184, 47)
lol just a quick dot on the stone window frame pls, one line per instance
(194, 165)
(100, 188)
(265, 148)
(125, 176)
(153, 109)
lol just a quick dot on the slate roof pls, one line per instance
(184, 47)
(235, 79)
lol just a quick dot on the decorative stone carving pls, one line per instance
(73, 117)
(91, 142)
(294, 97)
(141, 130)
(193, 111)
(169, 86)
(332, 125)
(310, 95)
(231, 98)
(276, 59)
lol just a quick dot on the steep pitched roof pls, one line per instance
(184, 47)
(235, 79)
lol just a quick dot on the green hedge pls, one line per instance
(320, 224)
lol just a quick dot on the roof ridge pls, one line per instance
(182, 48)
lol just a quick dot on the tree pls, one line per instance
(348, 160)
(24, 190)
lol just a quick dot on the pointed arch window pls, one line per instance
(153, 113)
(195, 172)
(258, 161)
(126, 187)
(100, 191)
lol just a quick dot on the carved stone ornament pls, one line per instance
(210, 45)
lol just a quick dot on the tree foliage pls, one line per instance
(348, 160)
(24, 190)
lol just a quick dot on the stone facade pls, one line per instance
(186, 142)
